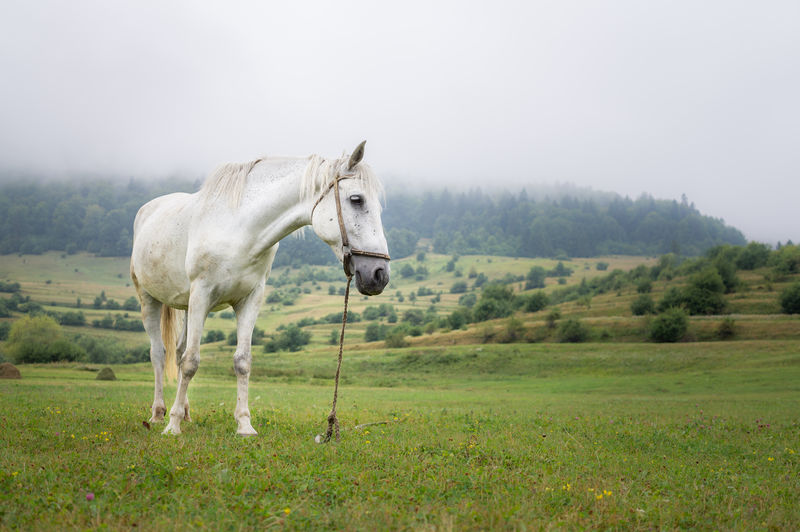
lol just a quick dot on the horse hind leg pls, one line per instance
(151, 318)
(181, 349)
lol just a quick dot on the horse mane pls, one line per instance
(320, 173)
(227, 182)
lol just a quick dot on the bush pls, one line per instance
(790, 299)
(213, 336)
(40, 339)
(468, 300)
(459, 287)
(644, 286)
(704, 293)
(292, 338)
(601, 266)
(754, 255)
(396, 338)
(374, 333)
(643, 305)
(552, 318)
(669, 326)
(573, 331)
(514, 331)
(536, 302)
(535, 278)
(726, 329)
(458, 318)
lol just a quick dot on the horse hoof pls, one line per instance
(172, 430)
(247, 430)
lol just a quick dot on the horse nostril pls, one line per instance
(380, 276)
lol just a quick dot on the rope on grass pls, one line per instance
(333, 421)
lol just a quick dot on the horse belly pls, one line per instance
(159, 251)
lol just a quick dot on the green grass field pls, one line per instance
(615, 433)
(510, 437)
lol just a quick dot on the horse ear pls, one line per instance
(358, 154)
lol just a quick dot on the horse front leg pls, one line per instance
(246, 314)
(190, 360)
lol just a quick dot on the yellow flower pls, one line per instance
(770, 459)
(287, 510)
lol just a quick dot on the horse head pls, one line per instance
(347, 217)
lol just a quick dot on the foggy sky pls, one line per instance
(662, 97)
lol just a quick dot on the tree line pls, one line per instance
(97, 217)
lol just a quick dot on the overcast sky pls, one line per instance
(664, 97)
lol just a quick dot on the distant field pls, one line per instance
(689, 436)
(60, 279)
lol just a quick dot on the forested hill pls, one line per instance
(97, 216)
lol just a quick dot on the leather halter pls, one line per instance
(347, 250)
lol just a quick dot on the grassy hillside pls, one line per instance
(57, 281)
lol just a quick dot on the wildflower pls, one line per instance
(90, 496)
(771, 459)
(598, 496)
(287, 510)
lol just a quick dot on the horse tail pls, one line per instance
(169, 334)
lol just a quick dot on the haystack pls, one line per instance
(106, 374)
(9, 371)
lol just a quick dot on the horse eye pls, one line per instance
(355, 199)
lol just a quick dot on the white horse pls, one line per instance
(204, 251)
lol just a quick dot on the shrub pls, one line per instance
(213, 336)
(32, 339)
(726, 329)
(459, 287)
(601, 266)
(790, 299)
(552, 318)
(644, 286)
(514, 331)
(292, 338)
(669, 326)
(535, 278)
(374, 333)
(468, 300)
(573, 330)
(396, 338)
(536, 302)
(458, 318)
(560, 271)
(643, 305)
(704, 293)
(754, 255)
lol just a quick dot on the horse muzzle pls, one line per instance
(371, 273)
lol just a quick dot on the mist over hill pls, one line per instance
(96, 215)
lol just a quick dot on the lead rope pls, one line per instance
(333, 421)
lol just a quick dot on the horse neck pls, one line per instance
(272, 206)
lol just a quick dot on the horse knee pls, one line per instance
(189, 365)
(157, 355)
(241, 363)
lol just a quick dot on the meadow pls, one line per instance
(499, 437)
(614, 433)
